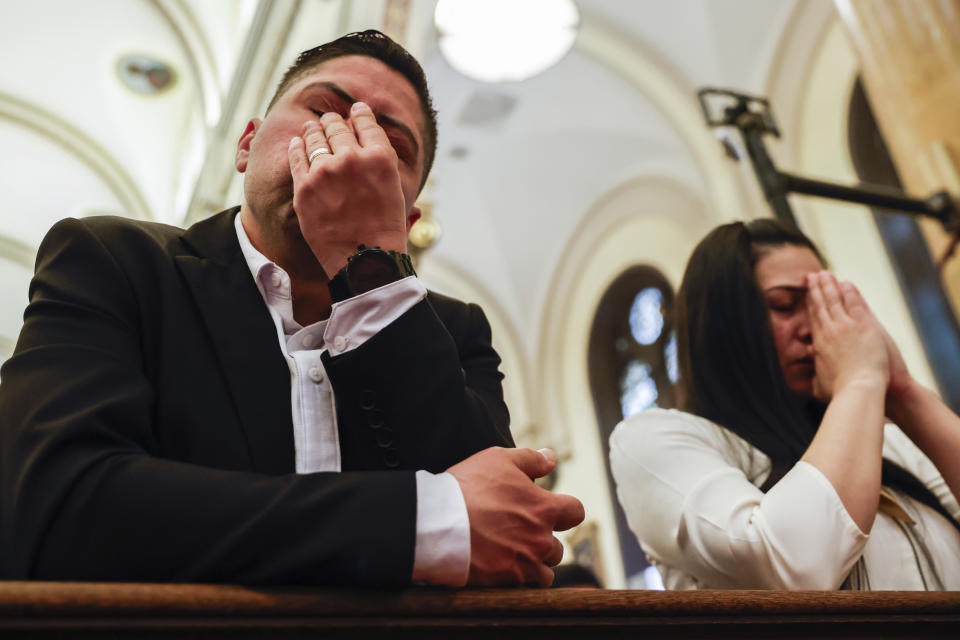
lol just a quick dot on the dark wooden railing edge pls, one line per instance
(73, 599)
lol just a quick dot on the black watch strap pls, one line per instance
(367, 269)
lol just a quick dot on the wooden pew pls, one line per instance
(96, 610)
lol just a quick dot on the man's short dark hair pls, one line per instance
(377, 45)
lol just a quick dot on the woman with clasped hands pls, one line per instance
(781, 472)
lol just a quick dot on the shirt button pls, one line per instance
(339, 343)
(308, 340)
(315, 374)
(275, 279)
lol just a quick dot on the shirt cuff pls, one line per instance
(442, 552)
(357, 319)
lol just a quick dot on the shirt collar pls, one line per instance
(256, 261)
(272, 281)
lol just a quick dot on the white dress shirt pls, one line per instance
(690, 492)
(442, 552)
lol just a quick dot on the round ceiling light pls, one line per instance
(505, 40)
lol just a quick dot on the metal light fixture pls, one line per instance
(144, 75)
(426, 231)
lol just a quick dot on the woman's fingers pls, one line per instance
(829, 300)
(853, 301)
(830, 290)
(816, 304)
(842, 295)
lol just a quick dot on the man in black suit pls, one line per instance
(271, 396)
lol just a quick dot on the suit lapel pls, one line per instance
(244, 338)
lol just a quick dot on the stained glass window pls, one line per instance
(646, 316)
(638, 391)
(633, 367)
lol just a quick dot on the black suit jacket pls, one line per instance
(146, 430)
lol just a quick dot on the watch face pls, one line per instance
(371, 269)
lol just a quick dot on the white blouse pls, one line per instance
(690, 492)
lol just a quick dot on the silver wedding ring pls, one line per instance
(322, 151)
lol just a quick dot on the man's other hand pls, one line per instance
(512, 520)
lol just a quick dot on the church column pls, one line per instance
(909, 53)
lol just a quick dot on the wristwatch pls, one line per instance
(367, 269)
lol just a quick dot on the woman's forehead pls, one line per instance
(785, 266)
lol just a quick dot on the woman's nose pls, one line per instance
(803, 327)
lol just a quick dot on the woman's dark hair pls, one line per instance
(728, 360)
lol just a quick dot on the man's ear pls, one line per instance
(412, 217)
(243, 145)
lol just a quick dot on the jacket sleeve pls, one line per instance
(432, 384)
(695, 510)
(83, 495)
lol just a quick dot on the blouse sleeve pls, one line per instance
(898, 448)
(695, 510)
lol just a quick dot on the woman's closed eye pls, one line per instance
(784, 299)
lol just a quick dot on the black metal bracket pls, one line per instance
(753, 117)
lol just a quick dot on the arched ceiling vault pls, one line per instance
(532, 175)
(203, 65)
(77, 143)
(653, 76)
(17, 252)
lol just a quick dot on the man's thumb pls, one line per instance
(535, 464)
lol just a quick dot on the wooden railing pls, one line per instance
(95, 610)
